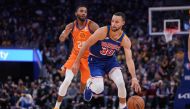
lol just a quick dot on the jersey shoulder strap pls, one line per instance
(108, 31)
(121, 38)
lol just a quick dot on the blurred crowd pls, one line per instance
(38, 24)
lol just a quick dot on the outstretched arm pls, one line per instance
(126, 43)
(98, 35)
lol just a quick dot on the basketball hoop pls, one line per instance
(168, 33)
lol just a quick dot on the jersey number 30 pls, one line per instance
(107, 51)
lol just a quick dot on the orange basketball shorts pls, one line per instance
(84, 69)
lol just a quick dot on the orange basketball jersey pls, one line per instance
(79, 37)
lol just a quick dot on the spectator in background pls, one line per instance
(172, 90)
(4, 99)
(162, 94)
(25, 101)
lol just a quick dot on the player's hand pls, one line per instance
(66, 32)
(75, 67)
(61, 71)
(135, 85)
(68, 29)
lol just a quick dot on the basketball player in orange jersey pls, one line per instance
(80, 29)
(104, 44)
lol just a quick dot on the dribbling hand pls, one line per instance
(135, 85)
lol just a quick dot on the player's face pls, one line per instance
(81, 13)
(117, 23)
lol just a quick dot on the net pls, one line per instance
(168, 33)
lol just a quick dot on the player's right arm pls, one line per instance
(99, 34)
(64, 35)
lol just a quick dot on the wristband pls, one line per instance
(135, 79)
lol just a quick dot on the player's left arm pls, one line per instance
(93, 26)
(126, 43)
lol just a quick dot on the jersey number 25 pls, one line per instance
(80, 44)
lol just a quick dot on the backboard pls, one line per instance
(162, 18)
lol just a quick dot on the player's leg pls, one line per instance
(95, 84)
(64, 86)
(113, 67)
(67, 81)
(85, 73)
(116, 75)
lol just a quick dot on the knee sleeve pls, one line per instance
(97, 85)
(117, 77)
(65, 84)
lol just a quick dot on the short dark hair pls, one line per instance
(81, 5)
(120, 14)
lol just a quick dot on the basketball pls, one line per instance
(135, 102)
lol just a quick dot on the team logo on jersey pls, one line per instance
(82, 35)
(110, 46)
